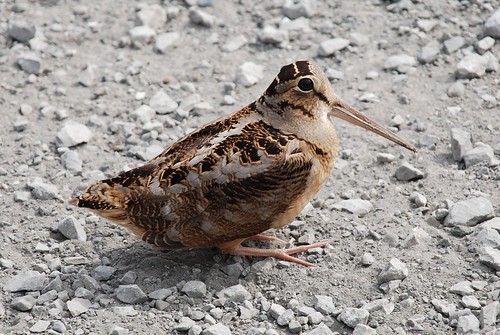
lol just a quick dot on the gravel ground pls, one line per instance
(93, 88)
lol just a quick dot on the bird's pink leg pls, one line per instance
(283, 254)
(261, 237)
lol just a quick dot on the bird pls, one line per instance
(239, 176)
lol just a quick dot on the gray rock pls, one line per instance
(199, 17)
(488, 237)
(40, 326)
(285, 318)
(490, 257)
(488, 315)
(492, 64)
(161, 294)
(462, 288)
(354, 316)
(87, 77)
(358, 39)
(418, 199)
(184, 324)
(131, 294)
(460, 143)
(315, 318)
(299, 25)
(323, 304)
(276, 310)
(195, 289)
(25, 281)
(364, 330)
(399, 62)
(485, 44)
(329, 47)
(457, 89)
(467, 324)
(443, 306)
(73, 133)
(82, 292)
(394, 270)
(104, 272)
(59, 326)
(481, 153)
(249, 74)
(72, 229)
(273, 35)
(294, 327)
(357, 207)
(302, 8)
(144, 114)
(141, 35)
(375, 305)
(492, 25)
(385, 158)
(124, 310)
(493, 223)
(333, 74)
(117, 330)
(471, 66)
(407, 172)
(217, 329)
(21, 196)
(162, 103)
(71, 161)
(417, 236)
(469, 212)
(41, 190)
(128, 278)
(166, 40)
(429, 53)
(30, 63)
(367, 259)
(46, 297)
(24, 303)
(78, 306)
(470, 301)
(20, 124)
(453, 44)
(426, 25)
(21, 31)
(152, 16)
(234, 43)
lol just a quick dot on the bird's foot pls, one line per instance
(283, 254)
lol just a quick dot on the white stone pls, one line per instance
(162, 103)
(418, 236)
(142, 35)
(364, 330)
(73, 133)
(488, 315)
(490, 257)
(200, 17)
(396, 62)
(41, 190)
(87, 76)
(217, 329)
(302, 8)
(234, 43)
(40, 326)
(272, 35)
(72, 161)
(249, 74)
(195, 289)
(488, 237)
(469, 212)
(71, 228)
(482, 153)
(329, 47)
(407, 172)
(485, 44)
(468, 324)
(453, 44)
(321, 329)
(353, 316)
(166, 41)
(394, 270)
(77, 306)
(358, 39)
(153, 16)
(471, 66)
(460, 143)
(323, 304)
(236, 293)
(462, 288)
(492, 25)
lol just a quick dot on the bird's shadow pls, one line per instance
(157, 268)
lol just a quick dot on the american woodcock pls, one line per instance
(240, 175)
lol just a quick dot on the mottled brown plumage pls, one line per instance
(238, 176)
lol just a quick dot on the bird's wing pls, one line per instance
(233, 188)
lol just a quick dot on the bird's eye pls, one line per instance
(306, 85)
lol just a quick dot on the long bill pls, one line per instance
(345, 112)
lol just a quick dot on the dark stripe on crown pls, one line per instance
(289, 72)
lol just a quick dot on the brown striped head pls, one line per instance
(301, 93)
